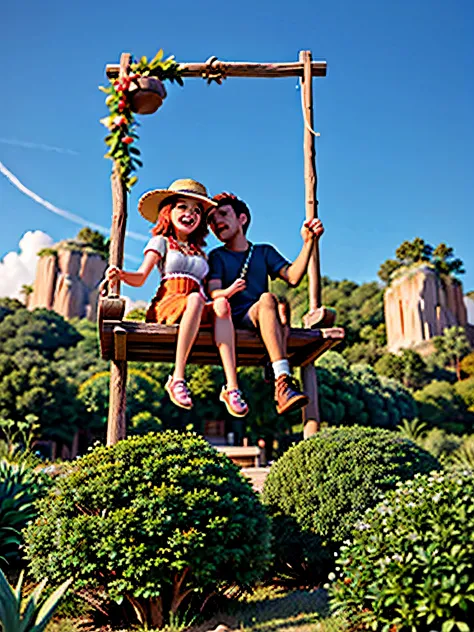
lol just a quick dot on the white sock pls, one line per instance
(281, 367)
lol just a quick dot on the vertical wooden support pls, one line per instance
(116, 426)
(310, 177)
(311, 416)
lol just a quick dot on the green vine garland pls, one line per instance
(121, 121)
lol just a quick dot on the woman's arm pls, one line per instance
(138, 278)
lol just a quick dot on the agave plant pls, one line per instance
(19, 614)
(20, 487)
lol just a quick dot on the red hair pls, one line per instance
(165, 227)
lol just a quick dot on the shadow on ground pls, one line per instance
(298, 611)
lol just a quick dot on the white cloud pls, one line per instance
(130, 304)
(19, 268)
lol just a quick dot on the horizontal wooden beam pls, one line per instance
(240, 69)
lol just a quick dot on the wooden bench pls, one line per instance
(138, 341)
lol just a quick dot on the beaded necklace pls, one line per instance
(245, 267)
(184, 247)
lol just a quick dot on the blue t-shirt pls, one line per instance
(226, 265)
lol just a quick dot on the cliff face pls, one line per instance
(419, 305)
(67, 281)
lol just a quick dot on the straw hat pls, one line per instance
(149, 203)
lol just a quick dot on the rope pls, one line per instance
(305, 114)
(215, 71)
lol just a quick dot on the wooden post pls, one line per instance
(311, 416)
(116, 426)
(310, 177)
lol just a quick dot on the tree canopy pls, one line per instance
(417, 251)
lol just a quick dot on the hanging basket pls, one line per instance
(146, 95)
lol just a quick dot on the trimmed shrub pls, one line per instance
(319, 488)
(162, 521)
(410, 565)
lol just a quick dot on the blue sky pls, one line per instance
(395, 113)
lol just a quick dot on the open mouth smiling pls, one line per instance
(187, 221)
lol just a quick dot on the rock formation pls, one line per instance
(67, 280)
(419, 304)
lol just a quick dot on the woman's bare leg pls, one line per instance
(187, 332)
(224, 335)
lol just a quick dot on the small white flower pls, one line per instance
(397, 557)
(436, 498)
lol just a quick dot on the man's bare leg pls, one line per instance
(265, 315)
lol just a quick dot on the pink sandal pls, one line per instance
(179, 393)
(234, 401)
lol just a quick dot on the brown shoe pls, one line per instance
(287, 397)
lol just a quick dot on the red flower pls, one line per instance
(122, 105)
(127, 140)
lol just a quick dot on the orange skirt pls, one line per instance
(170, 302)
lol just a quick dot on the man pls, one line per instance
(239, 271)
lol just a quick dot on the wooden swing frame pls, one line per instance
(122, 341)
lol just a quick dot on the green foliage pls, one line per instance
(121, 121)
(467, 364)
(142, 397)
(407, 367)
(414, 252)
(41, 330)
(440, 405)
(30, 385)
(320, 487)
(95, 241)
(445, 262)
(138, 314)
(48, 252)
(463, 457)
(410, 564)
(413, 430)
(440, 444)
(19, 614)
(357, 306)
(355, 394)
(465, 389)
(452, 347)
(162, 521)
(76, 364)
(20, 487)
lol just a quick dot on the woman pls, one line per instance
(176, 249)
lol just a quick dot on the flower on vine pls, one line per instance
(119, 120)
(108, 122)
(127, 140)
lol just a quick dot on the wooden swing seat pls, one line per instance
(148, 342)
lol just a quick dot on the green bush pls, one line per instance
(440, 405)
(320, 487)
(20, 487)
(162, 521)
(411, 562)
(355, 394)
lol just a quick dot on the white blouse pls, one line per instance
(174, 263)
